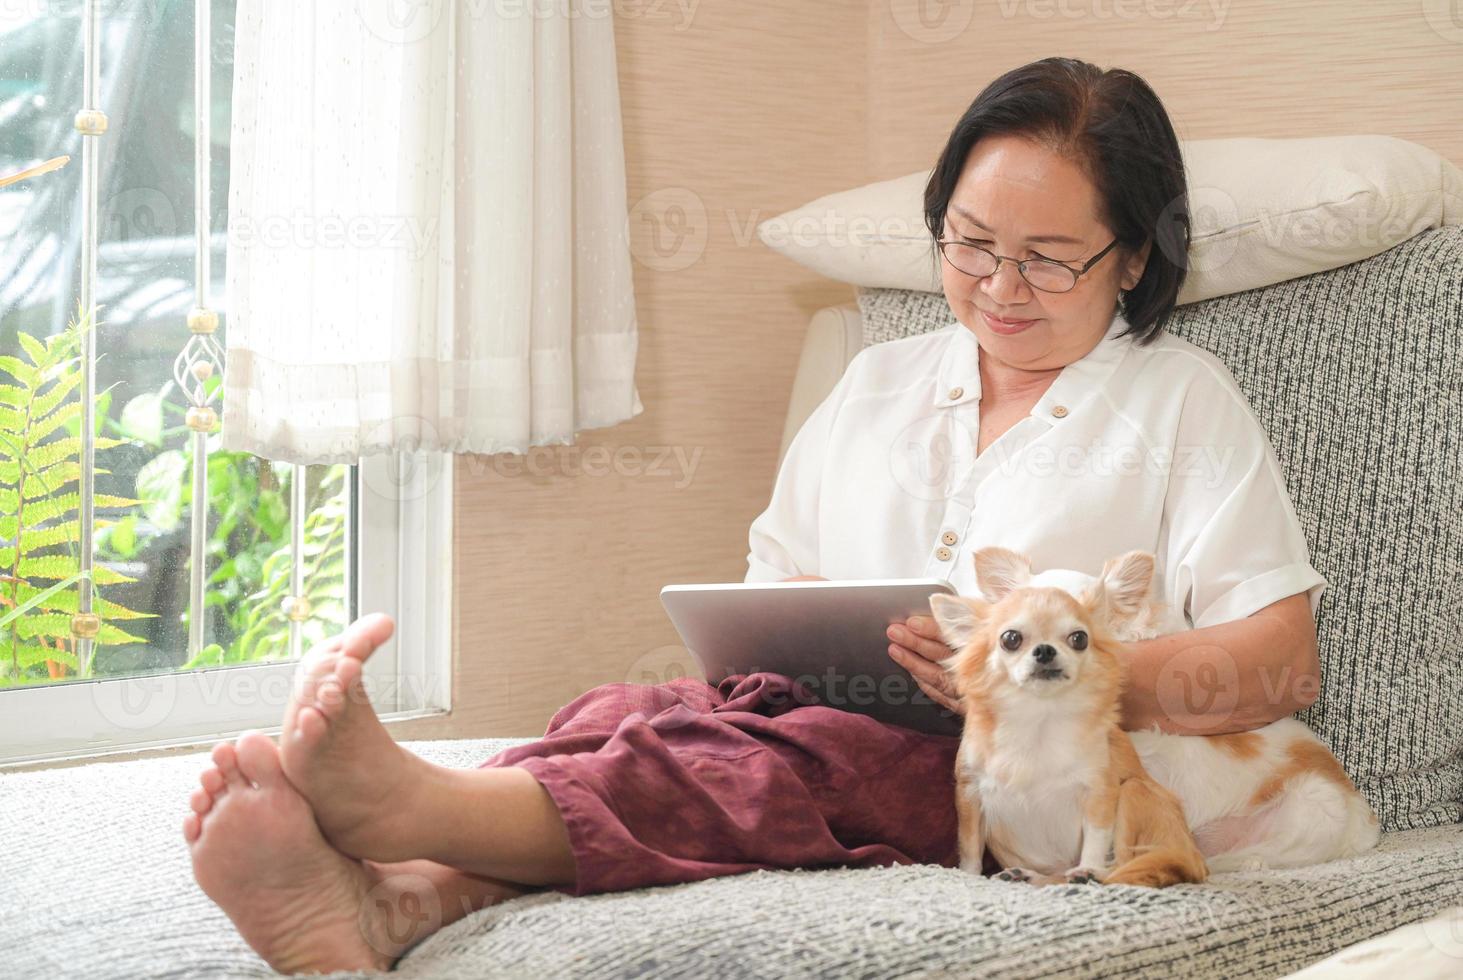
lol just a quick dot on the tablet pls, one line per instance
(828, 635)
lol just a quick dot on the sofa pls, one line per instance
(1357, 374)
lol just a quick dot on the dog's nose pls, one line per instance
(1044, 653)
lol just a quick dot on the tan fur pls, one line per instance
(971, 824)
(1302, 757)
(1241, 745)
(1120, 803)
(1152, 842)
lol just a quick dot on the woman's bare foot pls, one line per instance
(340, 757)
(258, 854)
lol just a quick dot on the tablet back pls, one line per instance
(828, 635)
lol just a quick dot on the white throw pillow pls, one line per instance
(1263, 211)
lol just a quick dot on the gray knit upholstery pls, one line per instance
(1357, 376)
(96, 883)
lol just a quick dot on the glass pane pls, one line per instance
(144, 290)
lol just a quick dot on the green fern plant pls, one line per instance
(40, 501)
(264, 630)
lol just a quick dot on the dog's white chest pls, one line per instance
(1031, 791)
(1038, 827)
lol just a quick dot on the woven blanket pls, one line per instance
(96, 882)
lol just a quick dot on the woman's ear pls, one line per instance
(1134, 266)
(959, 619)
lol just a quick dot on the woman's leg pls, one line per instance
(631, 786)
(375, 800)
(416, 898)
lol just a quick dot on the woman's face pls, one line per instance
(1020, 199)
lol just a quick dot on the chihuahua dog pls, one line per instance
(1047, 778)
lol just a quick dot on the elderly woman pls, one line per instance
(1054, 417)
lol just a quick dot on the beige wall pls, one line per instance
(760, 105)
(1222, 67)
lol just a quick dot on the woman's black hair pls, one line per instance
(1113, 125)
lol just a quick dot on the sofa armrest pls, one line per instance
(834, 336)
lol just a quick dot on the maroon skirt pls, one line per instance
(683, 781)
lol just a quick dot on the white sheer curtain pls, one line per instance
(427, 229)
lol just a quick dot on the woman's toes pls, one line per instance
(330, 698)
(258, 758)
(201, 801)
(192, 826)
(211, 780)
(310, 725)
(316, 668)
(366, 634)
(348, 672)
(228, 763)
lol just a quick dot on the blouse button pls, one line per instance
(955, 393)
(943, 553)
(1059, 411)
(949, 537)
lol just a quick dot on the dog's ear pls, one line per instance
(958, 617)
(1124, 585)
(999, 570)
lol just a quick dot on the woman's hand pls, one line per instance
(917, 647)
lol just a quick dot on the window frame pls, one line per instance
(400, 563)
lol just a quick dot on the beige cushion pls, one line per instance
(1263, 210)
(834, 336)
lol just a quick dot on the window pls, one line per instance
(197, 598)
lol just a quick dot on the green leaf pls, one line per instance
(31, 654)
(39, 484)
(142, 419)
(63, 416)
(38, 351)
(64, 566)
(210, 656)
(11, 420)
(26, 605)
(33, 539)
(19, 370)
(122, 537)
(64, 383)
(160, 484)
(58, 626)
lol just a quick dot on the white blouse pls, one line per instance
(1153, 448)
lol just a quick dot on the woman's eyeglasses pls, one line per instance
(1047, 275)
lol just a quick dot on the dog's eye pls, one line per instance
(1077, 640)
(1011, 639)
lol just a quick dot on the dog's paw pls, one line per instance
(1083, 876)
(1014, 874)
